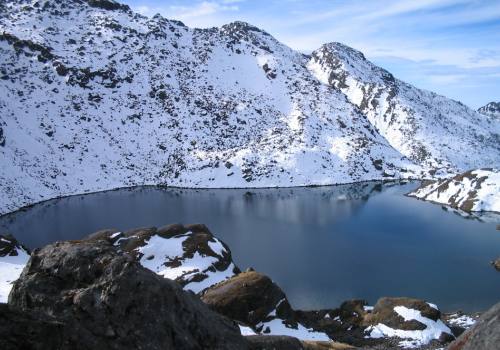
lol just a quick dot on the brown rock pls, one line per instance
(248, 297)
(383, 312)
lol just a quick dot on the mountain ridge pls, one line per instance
(96, 99)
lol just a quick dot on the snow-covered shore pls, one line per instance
(473, 191)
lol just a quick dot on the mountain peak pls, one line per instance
(340, 48)
(492, 109)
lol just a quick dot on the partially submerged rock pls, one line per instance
(484, 335)
(107, 300)
(496, 264)
(473, 191)
(13, 257)
(189, 254)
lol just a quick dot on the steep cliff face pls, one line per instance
(96, 97)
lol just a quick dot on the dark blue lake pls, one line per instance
(322, 245)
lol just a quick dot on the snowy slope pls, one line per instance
(427, 128)
(476, 190)
(95, 97)
(13, 258)
(491, 109)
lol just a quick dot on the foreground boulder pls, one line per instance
(255, 300)
(13, 257)
(109, 301)
(249, 297)
(484, 335)
(190, 254)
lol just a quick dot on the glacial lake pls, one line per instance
(322, 245)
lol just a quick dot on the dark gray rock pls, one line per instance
(29, 330)
(109, 301)
(274, 342)
(484, 335)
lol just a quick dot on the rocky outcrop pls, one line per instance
(89, 287)
(484, 335)
(189, 254)
(249, 297)
(107, 300)
(413, 321)
(10, 247)
(473, 191)
(491, 109)
(253, 299)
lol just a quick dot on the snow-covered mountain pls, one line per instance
(429, 129)
(491, 109)
(94, 97)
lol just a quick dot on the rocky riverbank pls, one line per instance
(177, 287)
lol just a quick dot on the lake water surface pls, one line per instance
(322, 245)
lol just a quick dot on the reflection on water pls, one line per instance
(323, 245)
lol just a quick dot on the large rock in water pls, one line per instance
(189, 254)
(109, 301)
(484, 335)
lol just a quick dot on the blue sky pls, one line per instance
(448, 46)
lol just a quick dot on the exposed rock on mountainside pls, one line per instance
(109, 301)
(96, 97)
(491, 109)
(13, 257)
(475, 190)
